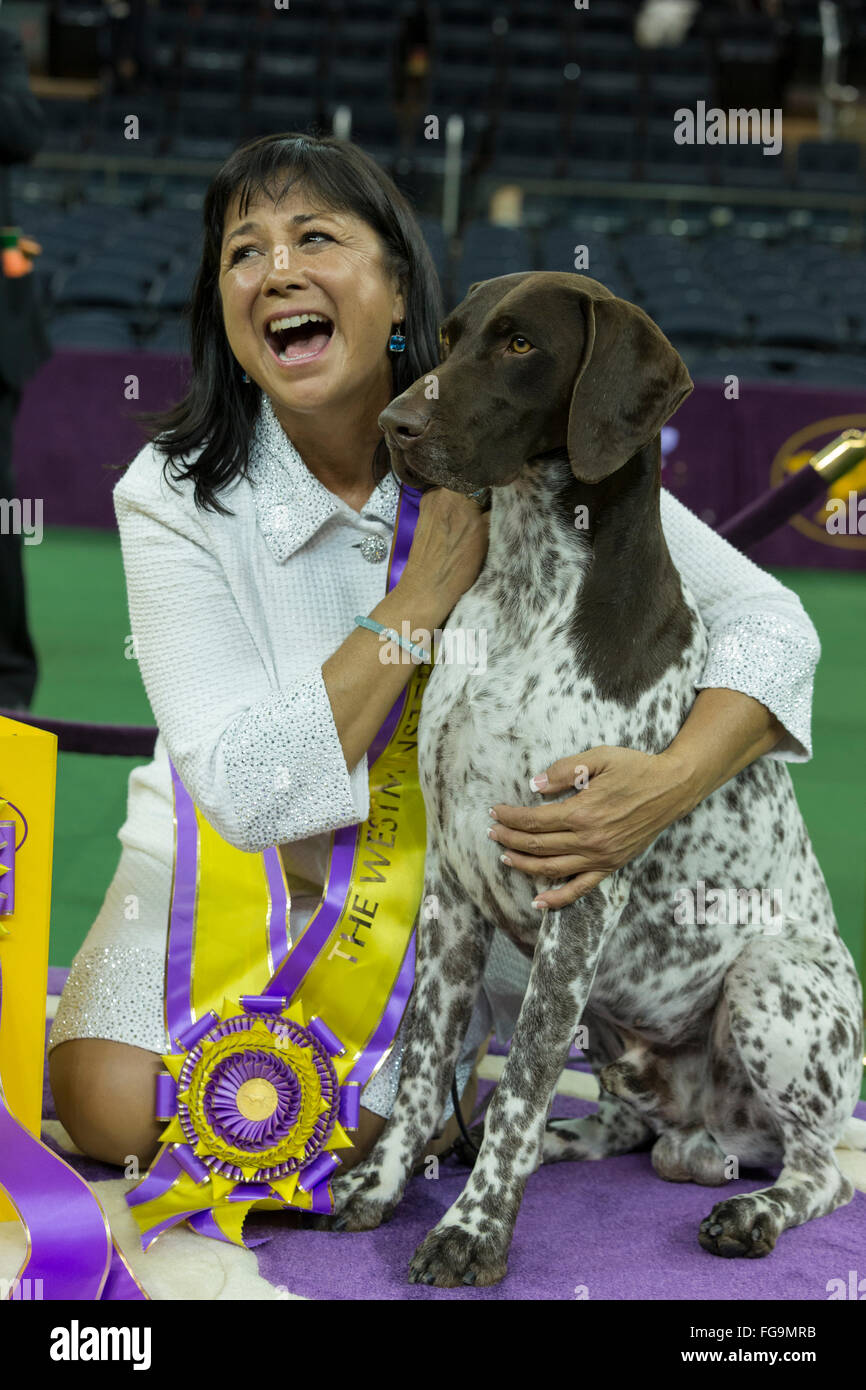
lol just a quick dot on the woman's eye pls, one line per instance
(313, 233)
(519, 344)
(239, 251)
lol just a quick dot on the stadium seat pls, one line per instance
(746, 166)
(698, 323)
(831, 166)
(556, 251)
(796, 328)
(280, 74)
(93, 286)
(436, 243)
(170, 336)
(607, 93)
(528, 146)
(93, 330)
(489, 251)
(600, 147)
(608, 16)
(466, 67)
(214, 70)
(268, 115)
(661, 158)
(375, 128)
(475, 14)
(607, 52)
(172, 291)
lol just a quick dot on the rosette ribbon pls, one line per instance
(273, 1042)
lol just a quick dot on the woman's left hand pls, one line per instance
(625, 800)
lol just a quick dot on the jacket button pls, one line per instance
(374, 549)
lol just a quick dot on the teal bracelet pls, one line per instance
(408, 646)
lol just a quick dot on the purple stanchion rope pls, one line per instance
(772, 510)
(111, 740)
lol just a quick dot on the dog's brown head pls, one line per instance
(531, 363)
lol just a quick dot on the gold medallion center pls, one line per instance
(256, 1099)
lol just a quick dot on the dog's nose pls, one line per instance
(403, 424)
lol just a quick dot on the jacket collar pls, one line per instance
(291, 504)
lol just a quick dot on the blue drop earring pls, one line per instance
(397, 341)
(244, 377)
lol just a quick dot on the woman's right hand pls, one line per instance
(448, 548)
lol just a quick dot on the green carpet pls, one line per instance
(80, 623)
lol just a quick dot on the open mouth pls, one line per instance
(298, 337)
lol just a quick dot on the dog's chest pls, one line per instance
(506, 698)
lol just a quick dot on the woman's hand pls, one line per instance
(449, 547)
(627, 798)
(623, 801)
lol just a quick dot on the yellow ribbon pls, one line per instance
(348, 984)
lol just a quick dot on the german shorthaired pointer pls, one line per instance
(719, 1044)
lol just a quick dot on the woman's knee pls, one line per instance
(104, 1098)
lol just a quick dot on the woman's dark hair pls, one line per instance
(218, 412)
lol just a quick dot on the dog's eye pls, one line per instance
(519, 344)
(443, 343)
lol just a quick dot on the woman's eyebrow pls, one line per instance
(239, 231)
(296, 221)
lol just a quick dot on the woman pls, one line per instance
(252, 532)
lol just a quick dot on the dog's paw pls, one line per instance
(356, 1207)
(737, 1227)
(358, 1214)
(450, 1256)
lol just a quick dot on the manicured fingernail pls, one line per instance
(492, 813)
(505, 859)
(539, 782)
(491, 832)
(537, 902)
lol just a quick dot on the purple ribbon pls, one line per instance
(72, 1251)
(7, 862)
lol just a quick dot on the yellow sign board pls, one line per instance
(28, 775)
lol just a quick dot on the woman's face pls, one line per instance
(278, 265)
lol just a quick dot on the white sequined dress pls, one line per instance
(233, 618)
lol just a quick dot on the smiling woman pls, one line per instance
(266, 695)
(299, 225)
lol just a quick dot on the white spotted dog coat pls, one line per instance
(722, 1044)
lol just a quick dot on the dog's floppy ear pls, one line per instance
(629, 382)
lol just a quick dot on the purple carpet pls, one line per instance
(608, 1230)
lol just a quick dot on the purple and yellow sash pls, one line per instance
(273, 1043)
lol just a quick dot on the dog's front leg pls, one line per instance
(470, 1244)
(452, 944)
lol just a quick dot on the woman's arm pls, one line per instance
(762, 642)
(265, 765)
(449, 543)
(724, 732)
(754, 700)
